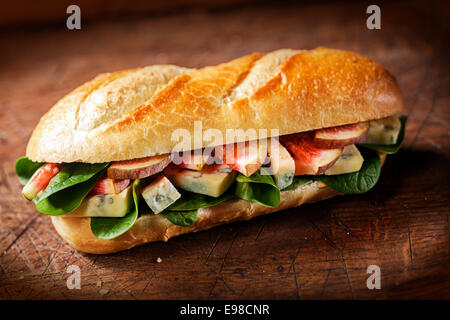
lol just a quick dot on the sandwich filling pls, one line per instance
(113, 195)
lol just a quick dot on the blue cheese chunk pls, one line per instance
(282, 165)
(105, 205)
(384, 131)
(160, 194)
(350, 160)
(212, 180)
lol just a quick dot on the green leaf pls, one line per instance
(68, 188)
(192, 201)
(182, 218)
(25, 168)
(110, 228)
(70, 175)
(298, 182)
(389, 148)
(66, 200)
(184, 211)
(259, 188)
(356, 182)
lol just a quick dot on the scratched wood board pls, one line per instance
(317, 251)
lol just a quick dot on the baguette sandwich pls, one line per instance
(147, 154)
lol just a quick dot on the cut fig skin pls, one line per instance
(339, 137)
(192, 160)
(244, 157)
(309, 159)
(109, 186)
(40, 180)
(138, 168)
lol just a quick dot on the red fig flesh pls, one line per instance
(108, 186)
(40, 180)
(245, 157)
(309, 159)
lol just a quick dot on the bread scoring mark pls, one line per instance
(200, 92)
(99, 83)
(226, 98)
(306, 94)
(161, 98)
(122, 93)
(261, 72)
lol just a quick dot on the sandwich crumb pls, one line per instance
(99, 284)
(159, 260)
(103, 292)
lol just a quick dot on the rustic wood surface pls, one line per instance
(317, 251)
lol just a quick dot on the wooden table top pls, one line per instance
(316, 251)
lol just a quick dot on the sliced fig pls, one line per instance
(338, 137)
(245, 157)
(138, 168)
(40, 180)
(193, 160)
(309, 159)
(108, 186)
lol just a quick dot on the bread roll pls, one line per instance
(155, 227)
(132, 114)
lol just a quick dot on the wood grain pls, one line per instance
(318, 251)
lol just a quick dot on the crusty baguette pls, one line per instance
(155, 227)
(132, 114)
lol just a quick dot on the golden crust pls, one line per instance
(133, 113)
(155, 227)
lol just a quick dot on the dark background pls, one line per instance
(317, 251)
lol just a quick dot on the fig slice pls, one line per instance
(108, 186)
(245, 157)
(338, 137)
(40, 180)
(192, 160)
(138, 168)
(309, 159)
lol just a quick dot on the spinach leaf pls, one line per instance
(184, 211)
(110, 228)
(298, 182)
(389, 148)
(66, 200)
(68, 188)
(182, 218)
(70, 175)
(259, 188)
(356, 182)
(25, 168)
(192, 201)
